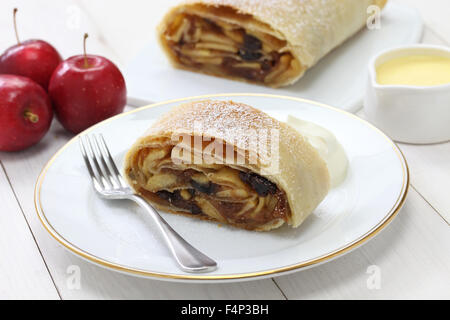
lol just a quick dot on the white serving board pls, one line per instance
(337, 80)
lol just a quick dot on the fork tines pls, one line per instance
(100, 163)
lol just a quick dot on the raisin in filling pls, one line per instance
(244, 199)
(219, 47)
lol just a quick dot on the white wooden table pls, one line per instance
(412, 254)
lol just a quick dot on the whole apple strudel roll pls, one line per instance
(228, 162)
(266, 42)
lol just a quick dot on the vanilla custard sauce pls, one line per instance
(415, 70)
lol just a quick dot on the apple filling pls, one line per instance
(222, 48)
(218, 192)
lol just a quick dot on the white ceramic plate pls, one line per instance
(338, 79)
(118, 235)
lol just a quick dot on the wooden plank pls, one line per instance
(119, 35)
(410, 258)
(97, 283)
(23, 273)
(430, 174)
(411, 255)
(429, 165)
(63, 23)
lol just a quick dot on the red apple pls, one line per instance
(35, 59)
(25, 112)
(86, 89)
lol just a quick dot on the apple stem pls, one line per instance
(15, 25)
(31, 116)
(86, 63)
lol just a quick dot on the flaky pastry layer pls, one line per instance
(250, 193)
(266, 42)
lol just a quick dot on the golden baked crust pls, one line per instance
(309, 28)
(300, 175)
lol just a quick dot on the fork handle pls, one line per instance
(189, 258)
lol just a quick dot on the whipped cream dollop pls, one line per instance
(326, 144)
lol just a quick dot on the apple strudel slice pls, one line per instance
(266, 42)
(228, 162)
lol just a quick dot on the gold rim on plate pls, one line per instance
(302, 265)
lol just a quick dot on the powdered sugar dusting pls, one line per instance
(302, 174)
(234, 123)
(311, 27)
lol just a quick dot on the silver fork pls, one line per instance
(109, 184)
